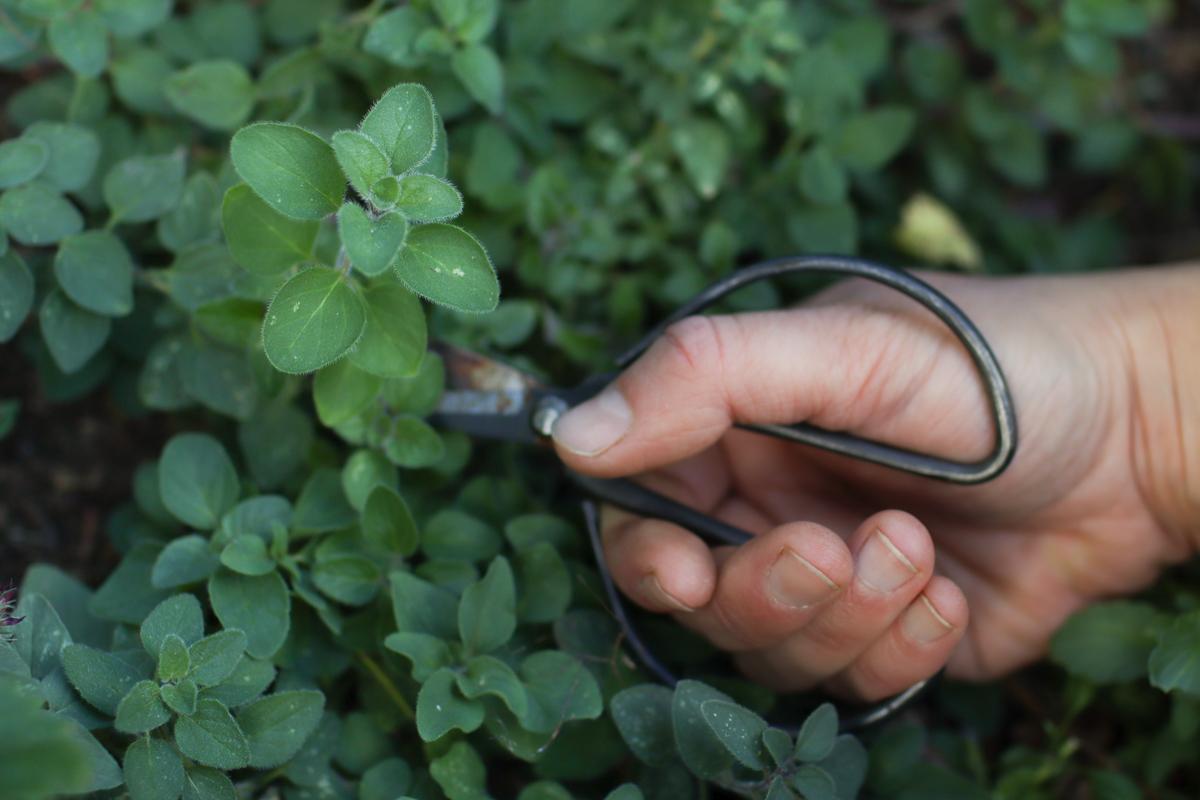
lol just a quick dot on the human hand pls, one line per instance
(860, 578)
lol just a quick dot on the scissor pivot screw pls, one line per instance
(546, 413)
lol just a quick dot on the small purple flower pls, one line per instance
(8, 604)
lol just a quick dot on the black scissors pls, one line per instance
(490, 400)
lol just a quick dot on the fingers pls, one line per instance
(657, 564)
(893, 561)
(914, 648)
(836, 366)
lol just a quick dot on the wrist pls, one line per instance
(1160, 313)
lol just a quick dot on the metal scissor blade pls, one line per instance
(484, 397)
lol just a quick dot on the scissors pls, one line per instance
(490, 400)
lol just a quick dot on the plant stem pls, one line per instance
(389, 686)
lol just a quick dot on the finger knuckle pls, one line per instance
(694, 342)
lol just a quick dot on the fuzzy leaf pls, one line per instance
(180, 615)
(185, 560)
(247, 555)
(404, 125)
(426, 652)
(293, 170)
(440, 709)
(21, 160)
(142, 188)
(101, 678)
(1175, 661)
(560, 689)
(74, 153)
(260, 606)
(387, 523)
(643, 716)
(313, 321)
(449, 266)
(818, 734)
(394, 339)
(424, 198)
(277, 725)
(212, 737)
(36, 214)
(72, 334)
(214, 658)
(173, 659)
(197, 479)
(141, 710)
(361, 160)
(371, 243)
(487, 614)
(260, 238)
(217, 94)
(738, 728)
(153, 770)
(180, 697)
(480, 71)
(206, 783)
(95, 270)
(341, 391)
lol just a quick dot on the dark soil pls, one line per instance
(63, 469)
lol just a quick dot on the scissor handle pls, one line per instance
(636, 498)
(1000, 402)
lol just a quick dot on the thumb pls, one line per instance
(839, 367)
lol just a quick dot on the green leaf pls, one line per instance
(101, 678)
(129, 18)
(821, 177)
(16, 295)
(261, 239)
(41, 637)
(142, 188)
(206, 783)
(487, 675)
(388, 524)
(427, 653)
(449, 266)
(818, 734)
(643, 716)
(393, 35)
(277, 725)
(739, 730)
(347, 577)
(138, 76)
(1175, 661)
(394, 339)
(293, 170)
(153, 770)
(460, 773)
(173, 659)
(441, 710)
(197, 479)
(544, 584)
(36, 214)
(385, 780)
(178, 615)
(364, 470)
(74, 153)
(361, 160)
(248, 555)
(249, 679)
(703, 149)
(72, 334)
(21, 160)
(698, 746)
(141, 710)
(275, 442)
(814, 783)
(342, 391)
(372, 243)
(560, 689)
(404, 125)
(480, 71)
(185, 560)
(95, 270)
(847, 765)
(127, 595)
(212, 737)
(866, 141)
(313, 321)
(424, 198)
(1108, 642)
(258, 605)
(195, 218)
(322, 504)
(421, 607)
(214, 658)
(219, 379)
(217, 94)
(180, 697)
(454, 534)
(487, 612)
(412, 443)
(627, 791)
(80, 41)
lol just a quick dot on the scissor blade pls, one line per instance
(484, 397)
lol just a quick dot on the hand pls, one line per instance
(860, 578)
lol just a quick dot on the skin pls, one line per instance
(1103, 494)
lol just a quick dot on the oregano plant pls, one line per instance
(233, 230)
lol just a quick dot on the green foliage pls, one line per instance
(203, 205)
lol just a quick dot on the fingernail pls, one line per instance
(652, 590)
(590, 428)
(793, 581)
(881, 566)
(922, 622)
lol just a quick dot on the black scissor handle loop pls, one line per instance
(1000, 403)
